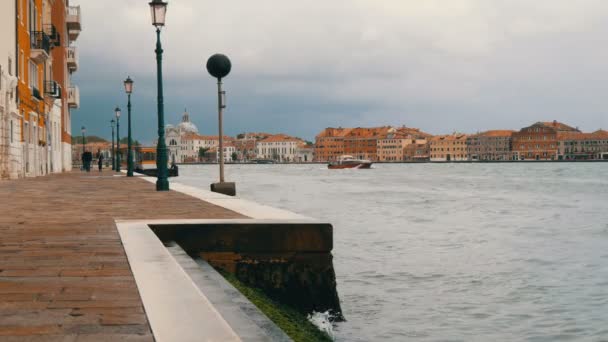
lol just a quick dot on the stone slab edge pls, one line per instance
(176, 308)
(244, 207)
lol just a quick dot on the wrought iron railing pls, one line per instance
(52, 89)
(40, 41)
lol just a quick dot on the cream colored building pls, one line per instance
(280, 147)
(11, 150)
(452, 147)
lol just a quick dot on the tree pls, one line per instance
(240, 136)
(201, 152)
(234, 156)
(125, 141)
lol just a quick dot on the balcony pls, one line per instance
(54, 36)
(40, 44)
(52, 89)
(73, 22)
(72, 59)
(73, 97)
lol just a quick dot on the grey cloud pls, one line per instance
(439, 65)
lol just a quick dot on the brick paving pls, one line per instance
(64, 275)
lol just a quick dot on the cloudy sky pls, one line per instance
(301, 66)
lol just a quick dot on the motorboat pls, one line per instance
(349, 162)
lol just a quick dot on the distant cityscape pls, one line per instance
(539, 141)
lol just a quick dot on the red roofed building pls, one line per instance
(362, 142)
(490, 145)
(329, 144)
(582, 146)
(539, 141)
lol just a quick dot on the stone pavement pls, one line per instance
(64, 275)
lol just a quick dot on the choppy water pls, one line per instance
(458, 252)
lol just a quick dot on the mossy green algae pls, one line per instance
(292, 322)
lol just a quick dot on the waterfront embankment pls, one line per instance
(63, 270)
(99, 256)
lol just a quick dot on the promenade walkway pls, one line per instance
(64, 275)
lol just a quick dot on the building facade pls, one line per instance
(279, 147)
(583, 146)
(36, 94)
(329, 144)
(452, 147)
(179, 148)
(392, 147)
(539, 141)
(10, 117)
(362, 143)
(490, 145)
(417, 152)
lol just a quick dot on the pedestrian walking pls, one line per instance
(99, 160)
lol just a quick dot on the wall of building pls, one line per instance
(10, 127)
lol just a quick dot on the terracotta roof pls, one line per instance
(497, 133)
(280, 138)
(456, 136)
(558, 125)
(369, 132)
(334, 132)
(416, 132)
(597, 135)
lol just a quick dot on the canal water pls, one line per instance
(458, 252)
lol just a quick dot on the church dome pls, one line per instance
(186, 126)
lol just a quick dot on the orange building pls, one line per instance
(45, 29)
(329, 144)
(33, 47)
(539, 141)
(362, 143)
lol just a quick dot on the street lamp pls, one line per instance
(117, 113)
(113, 124)
(83, 130)
(158, 10)
(219, 66)
(129, 89)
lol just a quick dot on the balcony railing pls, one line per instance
(73, 97)
(73, 22)
(72, 59)
(52, 89)
(40, 44)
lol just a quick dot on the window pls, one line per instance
(33, 16)
(26, 132)
(33, 75)
(21, 68)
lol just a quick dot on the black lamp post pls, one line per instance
(129, 89)
(158, 10)
(117, 113)
(219, 66)
(113, 123)
(83, 130)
